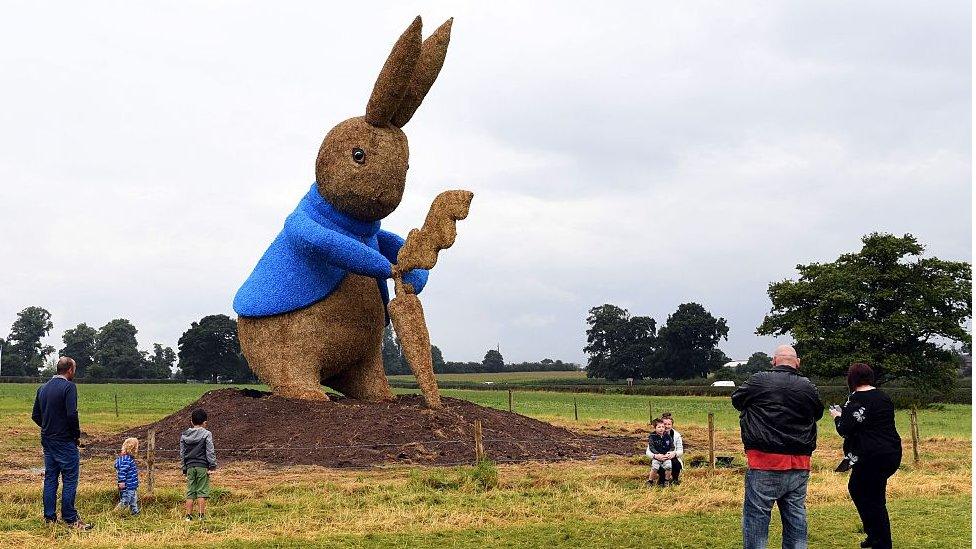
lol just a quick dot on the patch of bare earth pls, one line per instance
(259, 426)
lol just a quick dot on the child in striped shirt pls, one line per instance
(128, 476)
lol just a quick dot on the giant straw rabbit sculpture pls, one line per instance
(313, 310)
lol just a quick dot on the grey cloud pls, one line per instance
(647, 155)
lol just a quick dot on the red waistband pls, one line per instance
(768, 461)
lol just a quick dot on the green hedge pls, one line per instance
(694, 382)
(903, 397)
(28, 379)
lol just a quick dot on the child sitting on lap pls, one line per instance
(659, 446)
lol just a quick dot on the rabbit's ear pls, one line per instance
(432, 55)
(393, 80)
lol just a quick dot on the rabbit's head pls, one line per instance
(362, 164)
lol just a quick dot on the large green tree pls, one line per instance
(493, 361)
(885, 305)
(394, 362)
(619, 345)
(758, 362)
(117, 352)
(209, 350)
(23, 352)
(79, 344)
(437, 359)
(687, 343)
(159, 365)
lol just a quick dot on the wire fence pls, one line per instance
(478, 452)
(113, 449)
(100, 449)
(498, 450)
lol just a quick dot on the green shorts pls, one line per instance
(197, 483)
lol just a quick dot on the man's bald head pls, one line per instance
(785, 355)
(67, 367)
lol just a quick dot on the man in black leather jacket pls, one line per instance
(779, 410)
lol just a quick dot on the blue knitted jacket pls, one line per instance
(127, 470)
(313, 253)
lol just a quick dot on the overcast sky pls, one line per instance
(644, 154)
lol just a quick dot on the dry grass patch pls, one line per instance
(256, 503)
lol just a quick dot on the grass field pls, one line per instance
(945, 420)
(601, 503)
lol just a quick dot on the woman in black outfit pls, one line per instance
(873, 447)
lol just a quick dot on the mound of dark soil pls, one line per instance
(253, 425)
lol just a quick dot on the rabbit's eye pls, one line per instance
(359, 156)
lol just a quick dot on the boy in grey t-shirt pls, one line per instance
(199, 458)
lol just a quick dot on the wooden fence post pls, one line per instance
(711, 440)
(116, 405)
(650, 413)
(509, 400)
(575, 409)
(150, 462)
(913, 417)
(479, 443)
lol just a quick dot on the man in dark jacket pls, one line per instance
(778, 416)
(56, 413)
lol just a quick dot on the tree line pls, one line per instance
(905, 314)
(886, 305)
(394, 363)
(622, 346)
(208, 350)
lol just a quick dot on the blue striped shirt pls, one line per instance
(128, 471)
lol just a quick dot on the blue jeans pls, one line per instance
(60, 460)
(129, 499)
(788, 490)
